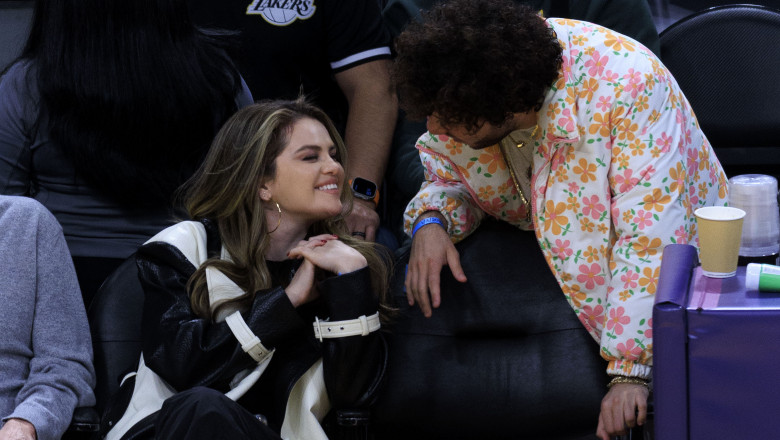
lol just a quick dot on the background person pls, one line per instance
(45, 348)
(110, 108)
(337, 53)
(571, 130)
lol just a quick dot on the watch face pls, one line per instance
(364, 187)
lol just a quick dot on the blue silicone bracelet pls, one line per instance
(427, 221)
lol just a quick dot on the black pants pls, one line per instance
(203, 413)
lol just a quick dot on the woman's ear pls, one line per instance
(264, 193)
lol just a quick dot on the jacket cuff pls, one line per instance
(349, 296)
(47, 426)
(286, 322)
(629, 368)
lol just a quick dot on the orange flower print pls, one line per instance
(572, 203)
(591, 254)
(493, 159)
(645, 247)
(486, 192)
(589, 87)
(600, 125)
(586, 225)
(654, 116)
(678, 179)
(454, 148)
(553, 110)
(587, 171)
(624, 295)
(627, 215)
(627, 130)
(656, 200)
(641, 103)
(617, 319)
(637, 147)
(590, 276)
(556, 220)
(579, 40)
(629, 351)
(649, 279)
(576, 295)
(618, 42)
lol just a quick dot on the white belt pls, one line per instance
(353, 327)
(250, 343)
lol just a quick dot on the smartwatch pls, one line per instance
(365, 189)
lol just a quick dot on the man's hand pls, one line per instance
(17, 429)
(431, 249)
(624, 407)
(363, 219)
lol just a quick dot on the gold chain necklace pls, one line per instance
(520, 193)
(521, 144)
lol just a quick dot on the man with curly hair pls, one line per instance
(568, 129)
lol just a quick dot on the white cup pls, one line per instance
(756, 194)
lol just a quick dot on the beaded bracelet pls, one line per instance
(427, 221)
(629, 380)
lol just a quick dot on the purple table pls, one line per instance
(716, 354)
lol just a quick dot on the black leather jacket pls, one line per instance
(189, 351)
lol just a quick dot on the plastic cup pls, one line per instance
(720, 233)
(756, 194)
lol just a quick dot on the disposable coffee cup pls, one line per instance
(756, 194)
(720, 233)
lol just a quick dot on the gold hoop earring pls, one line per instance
(279, 209)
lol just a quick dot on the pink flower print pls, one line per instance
(643, 218)
(605, 103)
(633, 76)
(590, 276)
(681, 237)
(574, 187)
(649, 330)
(617, 319)
(664, 142)
(566, 121)
(625, 181)
(630, 351)
(629, 279)
(592, 207)
(596, 64)
(592, 317)
(611, 76)
(562, 249)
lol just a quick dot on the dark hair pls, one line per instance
(225, 190)
(471, 60)
(131, 90)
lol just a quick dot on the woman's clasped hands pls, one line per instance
(326, 252)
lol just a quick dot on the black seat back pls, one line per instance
(725, 60)
(115, 323)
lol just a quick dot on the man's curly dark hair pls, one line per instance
(472, 60)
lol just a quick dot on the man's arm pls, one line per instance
(373, 108)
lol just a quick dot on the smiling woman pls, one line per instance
(265, 279)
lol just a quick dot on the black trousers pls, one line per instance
(204, 413)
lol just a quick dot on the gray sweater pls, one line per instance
(45, 349)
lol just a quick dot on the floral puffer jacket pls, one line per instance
(619, 166)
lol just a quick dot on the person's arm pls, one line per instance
(373, 109)
(61, 375)
(213, 355)
(15, 118)
(653, 198)
(445, 196)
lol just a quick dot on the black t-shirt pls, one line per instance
(289, 46)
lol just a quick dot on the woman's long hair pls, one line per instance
(131, 90)
(225, 190)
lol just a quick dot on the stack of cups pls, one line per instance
(756, 194)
